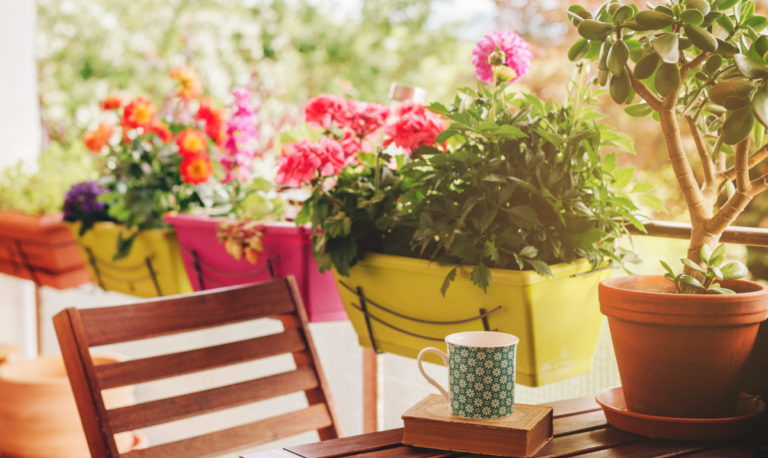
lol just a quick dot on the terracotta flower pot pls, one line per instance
(38, 415)
(681, 355)
(40, 248)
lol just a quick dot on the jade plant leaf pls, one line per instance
(617, 57)
(667, 47)
(620, 87)
(760, 105)
(667, 79)
(623, 14)
(654, 19)
(646, 66)
(639, 110)
(724, 89)
(692, 17)
(733, 270)
(738, 125)
(702, 6)
(749, 67)
(579, 50)
(701, 38)
(594, 30)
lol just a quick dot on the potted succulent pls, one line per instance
(248, 239)
(681, 345)
(34, 244)
(495, 213)
(152, 164)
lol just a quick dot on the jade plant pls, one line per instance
(701, 64)
(714, 269)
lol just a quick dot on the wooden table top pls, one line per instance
(580, 429)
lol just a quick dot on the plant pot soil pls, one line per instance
(40, 248)
(557, 319)
(287, 251)
(152, 268)
(38, 415)
(681, 355)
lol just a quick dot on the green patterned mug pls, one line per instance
(481, 372)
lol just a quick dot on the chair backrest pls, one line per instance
(78, 330)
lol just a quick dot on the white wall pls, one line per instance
(19, 115)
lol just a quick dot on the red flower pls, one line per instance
(320, 111)
(98, 138)
(415, 126)
(300, 161)
(191, 142)
(189, 83)
(140, 112)
(161, 130)
(213, 117)
(363, 118)
(196, 168)
(113, 102)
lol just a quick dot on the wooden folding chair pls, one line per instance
(78, 330)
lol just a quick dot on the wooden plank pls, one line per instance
(573, 406)
(658, 448)
(407, 451)
(271, 454)
(350, 445)
(570, 424)
(370, 391)
(751, 236)
(240, 437)
(589, 441)
(79, 365)
(185, 362)
(188, 405)
(169, 315)
(751, 450)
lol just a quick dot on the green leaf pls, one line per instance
(510, 132)
(594, 30)
(716, 272)
(639, 110)
(738, 125)
(529, 251)
(620, 87)
(701, 38)
(734, 270)
(717, 256)
(688, 280)
(609, 162)
(577, 13)
(654, 20)
(692, 17)
(667, 48)
(622, 177)
(623, 14)
(693, 265)
(653, 202)
(702, 6)
(724, 89)
(617, 58)
(646, 66)
(713, 64)
(667, 79)
(491, 251)
(667, 268)
(541, 267)
(481, 276)
(705, 253)
(750, 68)
(579, 50)
(760, 105)
(450, 277)
(726, 49)
(725, 4)
(721, 291)
(124, 245)
(642, 187)
(758, 23)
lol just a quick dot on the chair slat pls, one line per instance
(192, 404)
(240, 437)
(162, 316)
(159, 367)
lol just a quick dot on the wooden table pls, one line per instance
(580, 429)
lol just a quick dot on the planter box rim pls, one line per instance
(510, 276)
(23, 220)
(202, 219)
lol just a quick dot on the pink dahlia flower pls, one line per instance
(300, 161)
(517, 54)
(415, 126)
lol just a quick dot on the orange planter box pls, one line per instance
(40, 248)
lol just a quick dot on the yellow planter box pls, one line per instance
(152, 268)
(557, 319)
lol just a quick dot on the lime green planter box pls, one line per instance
(152, 268)
(557, 319)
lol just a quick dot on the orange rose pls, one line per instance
(95, 140)
(112, 102)
(140, 112)
(189, 83)
(196, 169)
(191, 142)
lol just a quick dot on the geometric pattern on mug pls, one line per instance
(482, 381)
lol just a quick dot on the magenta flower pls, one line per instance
(301, 161)
(320, 111)
(242, 133)
(517, 54)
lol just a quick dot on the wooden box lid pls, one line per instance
(430, 424)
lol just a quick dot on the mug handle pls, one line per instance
(430, 379)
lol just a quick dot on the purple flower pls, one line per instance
(242, 133)
(81, 199)
(517, 55)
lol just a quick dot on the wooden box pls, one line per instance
(430, 424)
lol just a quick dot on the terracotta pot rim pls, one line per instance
(616, 283)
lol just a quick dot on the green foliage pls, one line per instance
(522, 185)
(40, 188)
(713, 270)
(725, 97)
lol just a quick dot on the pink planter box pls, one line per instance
(287, 251)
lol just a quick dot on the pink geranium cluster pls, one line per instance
(352, 127)
(517, 55)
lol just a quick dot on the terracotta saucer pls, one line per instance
(748, 411)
